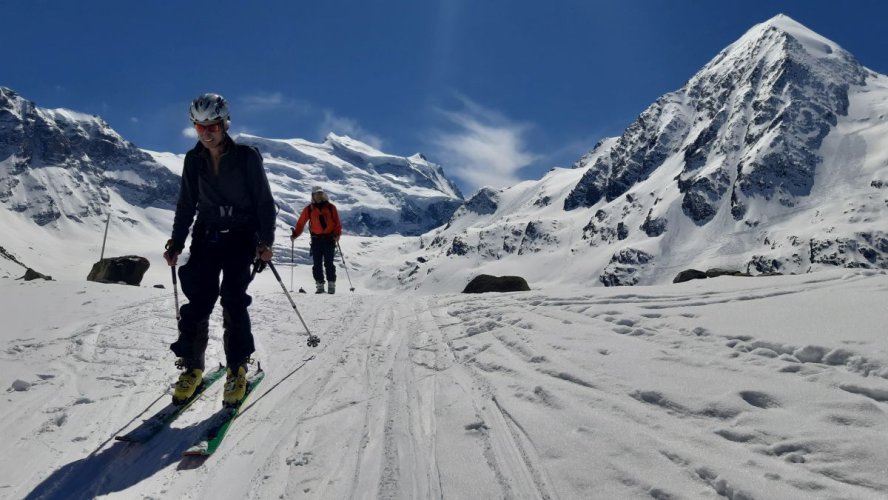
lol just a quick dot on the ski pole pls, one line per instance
(292, 262)
(352, 289)
(313, 340)
(175, 291)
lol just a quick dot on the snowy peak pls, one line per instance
(771, 158)
(376, 193)
(58, 163)
(415, 170)
(748, 125)
(773, 34)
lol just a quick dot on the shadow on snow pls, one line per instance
(123, 465)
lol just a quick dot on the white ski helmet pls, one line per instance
(317, 189)
(209, 108)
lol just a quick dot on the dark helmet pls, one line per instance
(209, 108)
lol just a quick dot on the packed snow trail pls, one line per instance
(739, 388)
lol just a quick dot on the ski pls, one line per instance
(222, 421)
(155, 423)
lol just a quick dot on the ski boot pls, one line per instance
(331, 287)
(189, 380)
(320, 287)
(235, 385)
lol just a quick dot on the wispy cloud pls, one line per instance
(486, 148)
(261, 102)
(341, 125)
(189, 132)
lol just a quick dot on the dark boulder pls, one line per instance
(31, 274)
(688, 275)
(715, 272)
(486, 283)
(128, 269)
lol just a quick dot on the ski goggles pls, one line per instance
(212, 127)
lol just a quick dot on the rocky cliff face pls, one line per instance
(60, 163)
(747, 126)
(772, 158)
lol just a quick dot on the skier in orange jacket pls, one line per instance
(325, 229)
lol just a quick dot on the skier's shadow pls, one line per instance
(122, 465)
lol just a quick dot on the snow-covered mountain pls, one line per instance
(58, 162)
(62, 172)
(376, 193)
(772, 158)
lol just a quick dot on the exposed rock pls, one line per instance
(716, 272)
(458, 247)
(538, 234)
(128, 269)
(688, 275)
(486, 283)
(654, 227)
(484, 202)
(624, 267)
(31, 274)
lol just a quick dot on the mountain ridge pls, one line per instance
(748, 166)
(62, 164)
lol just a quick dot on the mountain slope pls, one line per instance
(60, 163)
(772, 158)
(62, 173)
(376, 193)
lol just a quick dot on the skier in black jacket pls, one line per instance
(224, 184)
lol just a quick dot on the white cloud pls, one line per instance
(341, 125)
(261, 102)
(486, 149)
(134, 119)
(189, 132)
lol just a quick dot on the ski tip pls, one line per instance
(195, 453)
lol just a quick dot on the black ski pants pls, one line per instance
(229, 254)
(323, 249)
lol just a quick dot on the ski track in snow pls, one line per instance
(458, 397)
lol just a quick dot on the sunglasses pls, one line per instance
(213, 127)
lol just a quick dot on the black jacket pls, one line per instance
(238, 198)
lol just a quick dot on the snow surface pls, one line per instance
(768, 387)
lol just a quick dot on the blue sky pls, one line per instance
(494, 90)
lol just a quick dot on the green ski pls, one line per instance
(213, 438)
(155, 423)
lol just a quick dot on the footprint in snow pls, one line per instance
(477, 426)
(760, 399)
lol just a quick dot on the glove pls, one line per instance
(263, 252)
(173, 250)
(259, 265)
(293, 235)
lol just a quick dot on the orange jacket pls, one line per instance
(323, 219)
